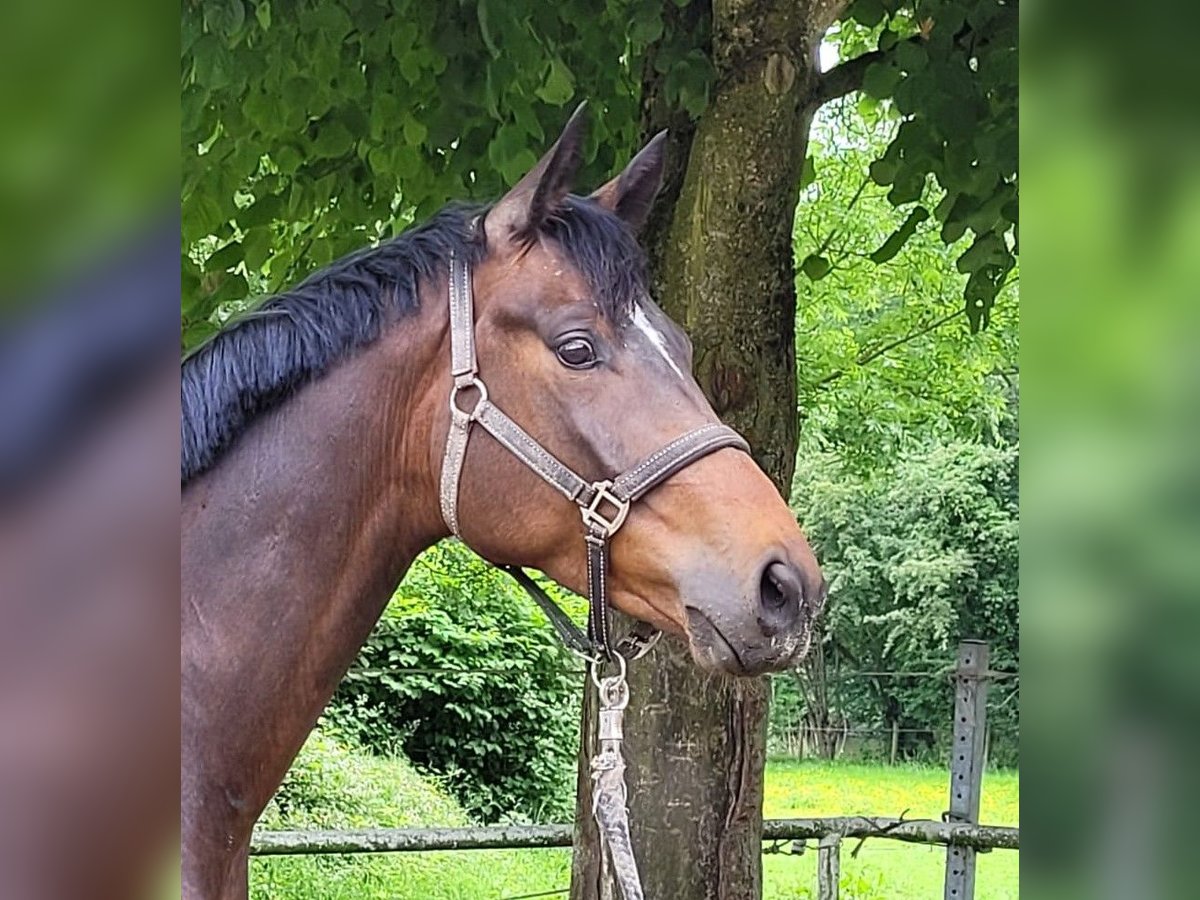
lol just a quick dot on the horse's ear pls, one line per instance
(631, 194)
(522, 210)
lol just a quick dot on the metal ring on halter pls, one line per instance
(594, 669)
(473, 383)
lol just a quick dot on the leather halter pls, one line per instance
(603, 504)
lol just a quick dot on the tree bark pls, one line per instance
(721, 251)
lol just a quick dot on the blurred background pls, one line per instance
(88, 447)
(1110, 487)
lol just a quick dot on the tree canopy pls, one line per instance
(311, 131)
(885, 357)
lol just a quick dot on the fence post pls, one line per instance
(966, 761)
(829, 865)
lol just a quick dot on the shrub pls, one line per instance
(466, 677)
(918, 557)
(335, 785)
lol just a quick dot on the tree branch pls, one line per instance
(844, 78)
(868, 355)
(847, 77)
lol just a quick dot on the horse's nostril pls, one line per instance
(780, 593)
(773, 596)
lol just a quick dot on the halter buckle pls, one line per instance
(595, 518)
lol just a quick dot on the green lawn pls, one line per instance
(882, 869)
(388, 793)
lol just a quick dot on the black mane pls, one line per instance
(295, 337)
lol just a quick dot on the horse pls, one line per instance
(315, 437)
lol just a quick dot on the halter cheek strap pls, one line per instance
(603, 505)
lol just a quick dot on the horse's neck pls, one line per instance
(291, 547)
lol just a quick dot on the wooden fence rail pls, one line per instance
(512, 837)
(961, 834)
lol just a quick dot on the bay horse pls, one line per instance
(313, 438)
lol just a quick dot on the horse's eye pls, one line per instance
(576, 353)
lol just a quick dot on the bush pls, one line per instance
(917, 557)
(464, 675)
(334, 785)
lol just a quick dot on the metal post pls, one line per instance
(829, 865)
(966, 761)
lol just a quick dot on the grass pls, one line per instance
(333, 786)
(883, 870)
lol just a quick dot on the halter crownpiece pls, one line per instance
(603, 504)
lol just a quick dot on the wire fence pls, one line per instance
(789, 740)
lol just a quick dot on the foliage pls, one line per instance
(895, 388)
(464, 675)
(312, 133)
(884, 357)
(333, 785)
(917, 558)
(312, 130)
(948, 68)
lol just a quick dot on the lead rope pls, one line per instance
(609, 792)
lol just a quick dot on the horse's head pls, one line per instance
(574, 350)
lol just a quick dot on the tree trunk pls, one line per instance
(721, 250)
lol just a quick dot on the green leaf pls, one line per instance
(646, 25)
(410, 66)
(867, 12)
(815, 267)
(808, 173)
(868, 107)
(987, 249)
(559, 84)
(256, 247)
(908, 186)
(288, 158)
(982, 287)
(483, 16)
(333, 140)
(900, 236)
(197, 332)
(227, 19)
(262, 12)
(881, 79)
(263, 211)
(415, 131)
(405, 162)
(911, 56)
(404, 34)
(883, 171)
(225, 258)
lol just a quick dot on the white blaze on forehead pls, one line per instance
(643, 324)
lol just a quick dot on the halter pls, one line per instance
(604, 505)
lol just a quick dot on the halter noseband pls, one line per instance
(603, 504)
